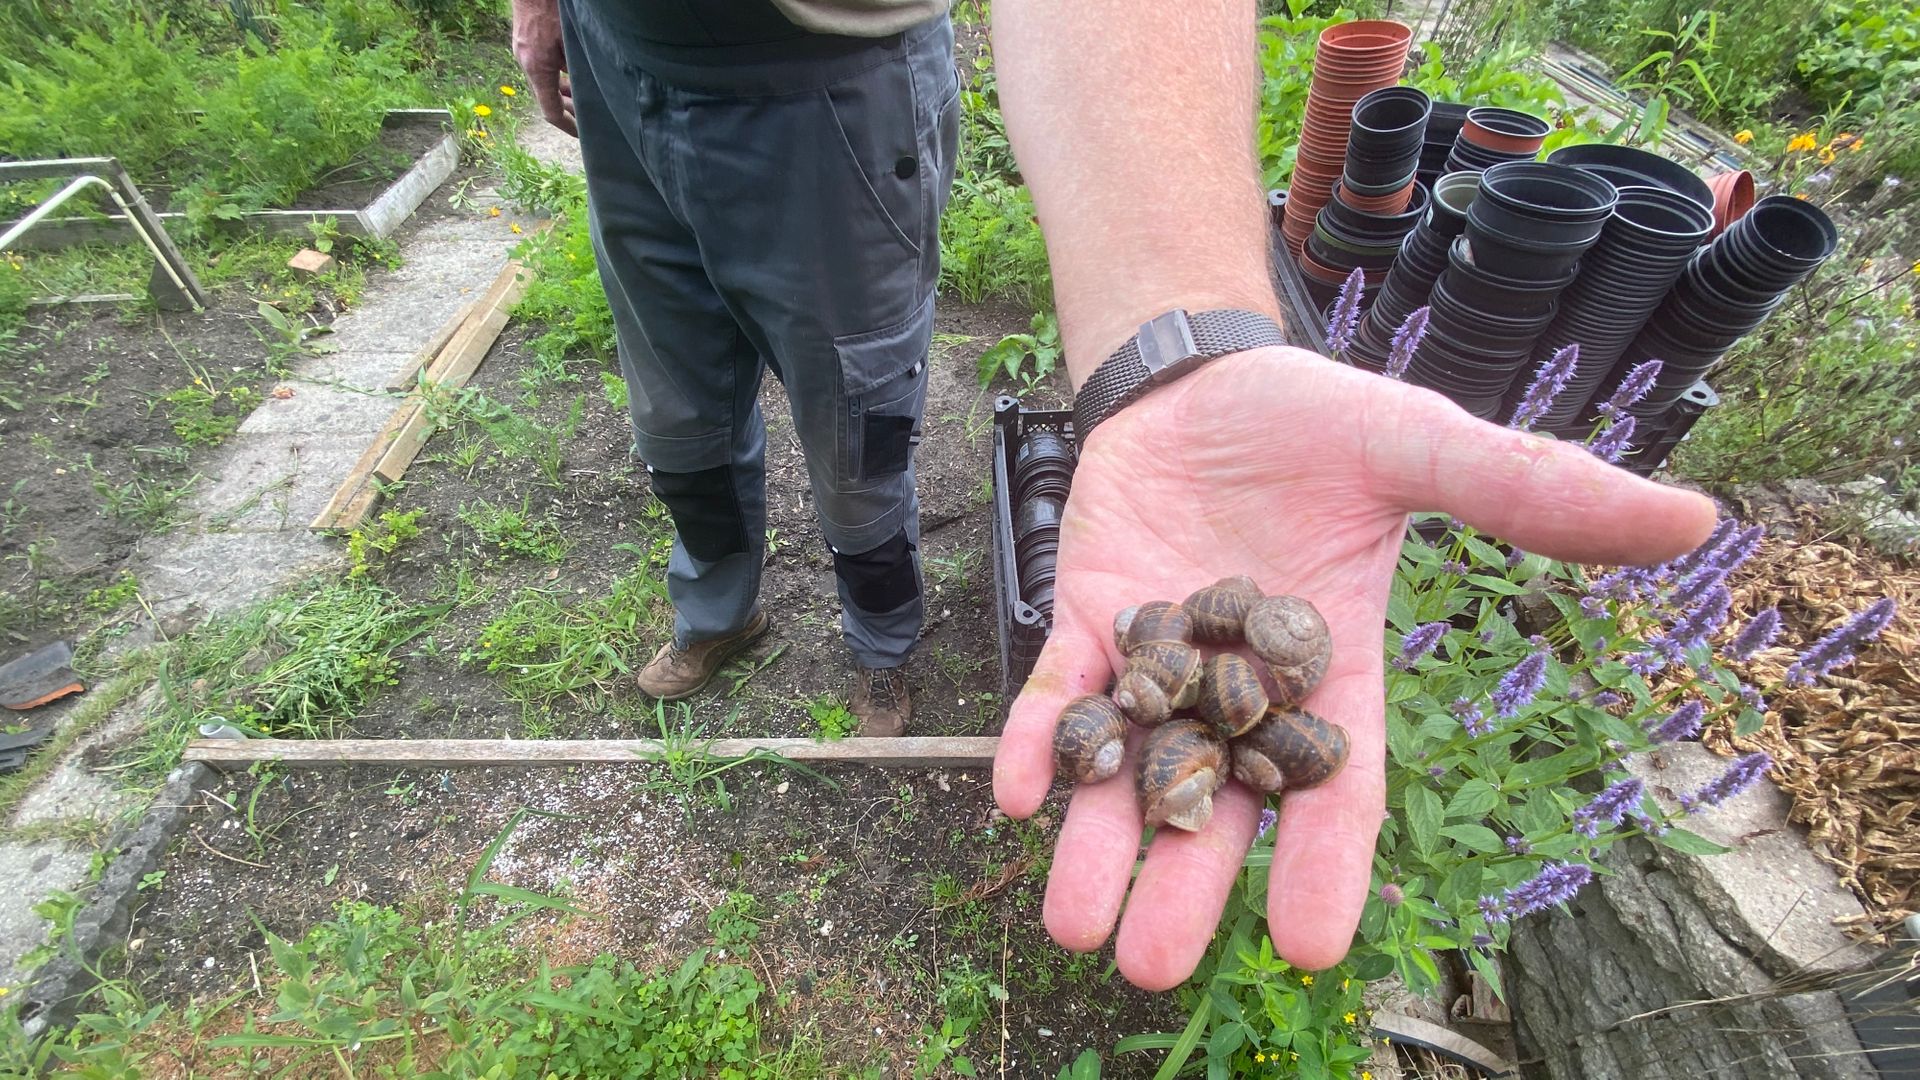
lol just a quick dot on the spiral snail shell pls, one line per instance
(1181, 766)
(1090, 739)
(1219, 611)
(1155, 620)
(1287, 750)
(1232, 697)
(1161, 677)
(1292, 638)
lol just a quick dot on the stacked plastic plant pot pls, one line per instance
(1351, 61)
(1443, 128)
(1042, 477)
(1376, 202)
(1422, 259)
(1526, 229)
(1491, 136)
(1728, 289)
(1643, 248)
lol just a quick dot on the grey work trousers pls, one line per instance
(772, 205)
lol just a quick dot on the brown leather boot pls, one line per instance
(881, 701)
(675, 673)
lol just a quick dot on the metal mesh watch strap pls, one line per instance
(1164, 349)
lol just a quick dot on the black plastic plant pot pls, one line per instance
(1447, 118)
(1627, 166)
(1519, 260)
(1484, 333)
(1392, 120)
(1791, 235)
(1466, 157)
(1488, 283)
(1656, 221)
(1042, 466)
(1341, 252)
(1277, 207)
(1035, 524)
(1545, 203)
(1427, 246)
(1369, 226)
(1452, 195)
(1704, 290)
(1735, 274)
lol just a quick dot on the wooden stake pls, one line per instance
(907, 753)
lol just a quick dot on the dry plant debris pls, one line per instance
(1847, 749)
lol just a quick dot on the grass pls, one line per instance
(550, 644)
(515, 532)
(100, 702)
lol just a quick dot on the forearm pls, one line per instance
(1133, 124)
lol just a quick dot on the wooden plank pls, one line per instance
(457, 363)
(906, 753)
(347, 509)
(405, 379)
(53, 168)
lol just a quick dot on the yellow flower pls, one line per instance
(1743, 136)
(482, 110)
(1826, 155)
(1259, 1057)
(1306, 980)
(507, 91)
(493, 211)
(1366, 1075)
(1800, 144)
(1858, 145)
(1349, 1018)
(1916, 268)
(515, 227)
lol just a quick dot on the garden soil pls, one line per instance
(843, 865)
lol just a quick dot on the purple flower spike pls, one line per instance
(1685, 564)
(1419, 641)
(1471, 718)
(1518, 845)
(1608, 807)
(1518, 686)
(1606, 699)
(1694, 626)
(1646, 663)
(1345, 319)
(1267, 819)
(1392, 895)
(1648, 825)
(1515, 558)
(1682, 723)
(1547, 384)
(1631, 389)
(1405, 341)
(1757, 635)
(1556, 883)
(1593, 607)
(1741, 775)
(1838, 647)
(1751, 699)
(1612, 444)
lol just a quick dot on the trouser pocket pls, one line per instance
(883, 381)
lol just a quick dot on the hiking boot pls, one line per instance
(675, 673)
(881, 702)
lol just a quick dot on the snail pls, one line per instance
(1161, 676)
(1289, 634)
(1232, 697)
(1155, 620)
(1219, 611)
(1289, 749)
(1090, 738)
(1181, 766)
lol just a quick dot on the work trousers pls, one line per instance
(772, 205)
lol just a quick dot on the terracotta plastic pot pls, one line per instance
(1733, 196)
(1366, 35)
(1508, 131)
(1376, 204)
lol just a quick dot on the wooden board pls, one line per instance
(911, 752)
(356, 494)
(408, 377)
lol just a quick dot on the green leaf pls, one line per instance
(1188, 1041)
(1691, 843)
(1373, 966)
(963, 1066)
(1749, 722)
(1496, 585)
(1490, 971)
(1423, 818)
(1475, 800)
(1133, 1044)
(1475, 838)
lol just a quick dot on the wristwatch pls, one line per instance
(1167, 347)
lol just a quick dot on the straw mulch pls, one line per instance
(1847, 750)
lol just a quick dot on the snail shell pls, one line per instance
(1090, 739)
(1288, 749)
(1155, 620)
(1181, 766)
(1161, 676)
(1232, 697)
(1289, 634)
(1219, 611)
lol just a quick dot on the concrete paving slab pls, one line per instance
(220, 572)
(351, 369)
(550, 144)
(34, 872)
(309, 407)
(275, 481)
(478, 227)
(73, 790)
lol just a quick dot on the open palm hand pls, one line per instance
(1300, 473)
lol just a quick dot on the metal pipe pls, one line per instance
(74, 187)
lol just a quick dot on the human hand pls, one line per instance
(537, 48)
(1299, 472)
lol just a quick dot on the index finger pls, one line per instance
(1073, 662)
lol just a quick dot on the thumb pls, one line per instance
(1074, 662)
(1543, 495)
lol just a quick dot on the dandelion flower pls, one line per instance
(482, 110)
(1743, 136)
(493, 211)
(507, 91)
(1802, 143)
(515, 228)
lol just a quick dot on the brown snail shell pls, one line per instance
(1181, 766)
(1161, 676)
(1090, 738)
(1289, 749)
(1290, 635)
(1232, 698)
(1155, 620)
(1219, 610)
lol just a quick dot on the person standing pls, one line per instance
(764, 181)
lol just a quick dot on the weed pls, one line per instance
(1010, 355)
(191, 410)
(695, 776)
(152, 504)
(831, 718)
(966, 997)
(743, 668)
(513, 436)
(953, 571)
(108, 599)
(286, 340)
(614, 386)
(734, 921)
(371, 546)
(516, 531)
(548, 645)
